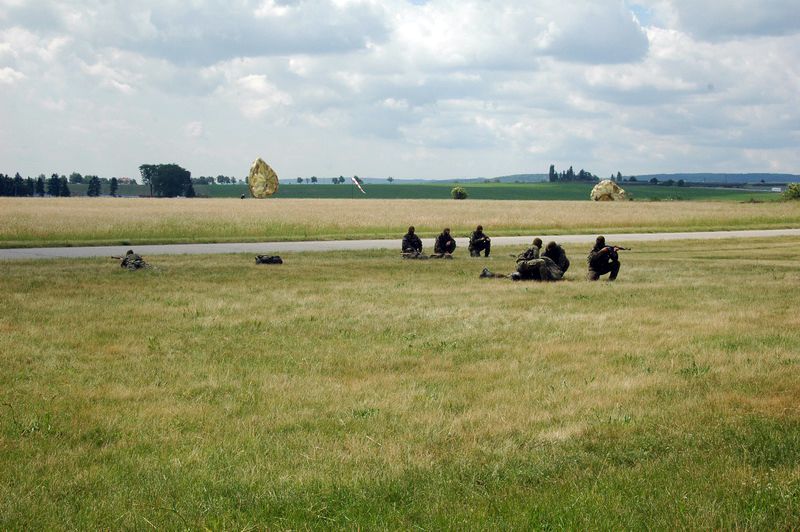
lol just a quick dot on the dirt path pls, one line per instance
(337, 245)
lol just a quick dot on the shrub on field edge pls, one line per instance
(459, 193)
(793, 192)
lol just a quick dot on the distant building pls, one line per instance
(777, 189)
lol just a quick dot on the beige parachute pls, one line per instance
(607, 190)
(263, 181)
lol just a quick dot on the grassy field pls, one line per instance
(360, 391)
(482, 191)
(31, 222)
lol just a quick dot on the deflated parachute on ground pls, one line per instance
(263, 181)
(607, 190)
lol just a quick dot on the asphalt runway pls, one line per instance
(267, 248)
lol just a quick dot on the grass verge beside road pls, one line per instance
(357, 390)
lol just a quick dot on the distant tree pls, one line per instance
(669, 182)
(113, 185)
(189, 192)
(149, 175)
(570, 174)
(75, 178)
(459, 193)
(40, 186)
(93, 190)
(63, 189)
(681, 182)
(19, 186)
(299, 180)
(53, 185)
(632, 179)
(653, 181)
(619, 177)
(313, 179)
(166, 180)
(553, 176)
(390, 179)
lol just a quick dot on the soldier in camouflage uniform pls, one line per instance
(478, 242)
(558, 255)
(602, 260)
(412, 245)
(132, 261)
(532, 266)
(445, 245)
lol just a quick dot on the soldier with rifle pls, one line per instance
(603, 259)
(132, 261)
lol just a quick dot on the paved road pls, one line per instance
(337, 245)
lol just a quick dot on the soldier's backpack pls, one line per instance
(268, 259)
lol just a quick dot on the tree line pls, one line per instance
(584, 176)
(55, 185)
(17, 186)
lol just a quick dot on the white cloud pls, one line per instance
(193, 129)
(9, 76)
(448, 87)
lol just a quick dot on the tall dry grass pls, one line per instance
(84, 221)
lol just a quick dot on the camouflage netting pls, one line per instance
(607, 190)
(263, 181)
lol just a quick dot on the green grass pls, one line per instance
(354, 390)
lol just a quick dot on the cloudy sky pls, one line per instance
(404, 88)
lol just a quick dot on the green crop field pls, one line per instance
(490, 191)
(358, 391)
(483, 191)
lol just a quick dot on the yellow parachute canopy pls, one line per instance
(607, 190)
(263, 181)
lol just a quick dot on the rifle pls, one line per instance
(612, 251)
